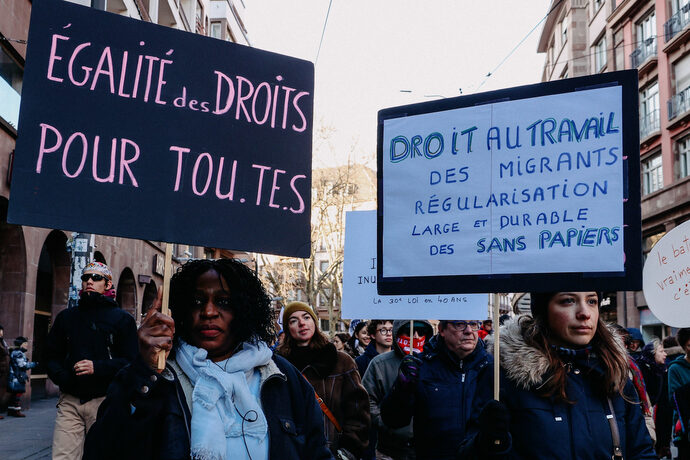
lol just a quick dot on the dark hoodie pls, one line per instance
(378, 380)
(97, 330)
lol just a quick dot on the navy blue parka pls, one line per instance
(442, 400)
(546, 428)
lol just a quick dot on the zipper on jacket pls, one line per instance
(110, 343)
(184, 414)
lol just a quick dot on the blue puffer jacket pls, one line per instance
(442, 401)
(543, 428)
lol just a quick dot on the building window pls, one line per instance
(681, 74)
(324, 298)
(325, 325)
(11, 78)
(680, 5)
(652, 174)
(646, 29)
(564, 31)
(598, 4)
(618, 50)
(649, 110)
(187, 11)
(600, 54)
(199, 18)
(684, 157)
(323, 266)
(215, 29)
(649, 242)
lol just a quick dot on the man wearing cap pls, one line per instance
(87, 346)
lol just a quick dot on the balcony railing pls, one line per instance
(646, 50)
(679, 103)
(649, 123)
(677, 22)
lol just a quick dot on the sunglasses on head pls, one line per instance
(94, 276)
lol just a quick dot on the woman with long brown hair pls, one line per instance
(565, 391)
(334, 376)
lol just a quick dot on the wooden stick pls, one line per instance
(497, 361)
(165, 309)
(411, 336)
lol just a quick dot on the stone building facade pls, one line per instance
(584, 37)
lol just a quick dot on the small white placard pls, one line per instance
(666, 277)
(361, 300)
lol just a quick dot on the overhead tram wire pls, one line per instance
(519, 43)
(323, 32)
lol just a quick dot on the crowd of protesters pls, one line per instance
(232, 386)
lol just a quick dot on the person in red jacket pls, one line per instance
(486, 329)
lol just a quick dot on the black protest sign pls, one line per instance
(132, 129)
(524, 189)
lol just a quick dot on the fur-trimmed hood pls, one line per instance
(674, 351)
(523, 364)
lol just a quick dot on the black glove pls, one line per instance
(409, 370)
(494, 427)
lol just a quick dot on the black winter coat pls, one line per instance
(146, 416)
(440, 405)
(97, 330)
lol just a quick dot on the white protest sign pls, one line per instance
(525, 186)
(666, 277)
(360, 299)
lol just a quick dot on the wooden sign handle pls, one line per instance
(497, 361)
(411, 336)
(165, 309)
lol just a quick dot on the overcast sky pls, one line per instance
(373, 49)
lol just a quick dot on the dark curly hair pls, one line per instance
(251, 307)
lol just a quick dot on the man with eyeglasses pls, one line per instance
(381, 333)
(440, 390)
(86, 347)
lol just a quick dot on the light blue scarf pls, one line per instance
(220, 398)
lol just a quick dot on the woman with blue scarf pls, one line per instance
(223, 393)
(565, 392)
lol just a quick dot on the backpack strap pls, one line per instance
(615, 436)
(327, 412)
